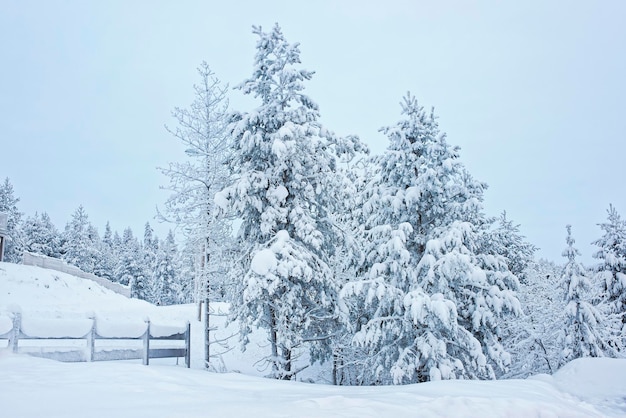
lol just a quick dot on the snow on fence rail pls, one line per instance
(115, 345)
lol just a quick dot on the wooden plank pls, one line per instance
(167, 352)
(70, 356)
(118, 354)
(175, 337)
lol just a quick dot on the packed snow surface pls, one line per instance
(583, 388)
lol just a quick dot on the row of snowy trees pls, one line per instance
(153, 268)
(572, 311)
(387, 266)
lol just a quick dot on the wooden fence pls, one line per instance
(117, 348)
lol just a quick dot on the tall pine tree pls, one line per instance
(283, 160)
(14, 245)
(429, 299)
(585, 331)
(611, 269)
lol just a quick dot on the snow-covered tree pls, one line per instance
(201, 129)
(108, 255)
(429, 298)
(41, 236)
(505, 239)
(166, 277)
(8, 204)
(131, 270)
(81, 242)
(149, 251)
(532, 337)
(283, 160)
(585, 331)
(611, 271)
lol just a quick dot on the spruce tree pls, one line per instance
(611, 269)
(81, 242)
(41, 236)
(166, 276)
(131, 269)
(429, 297)
(283, 159)
(108, 256)
(585, 331)
(14, 245)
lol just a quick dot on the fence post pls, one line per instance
(188, 345)
(91, 336)
(17, 329)
(146, 344)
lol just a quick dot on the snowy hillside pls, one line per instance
(583, 388)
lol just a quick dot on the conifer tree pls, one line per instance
(108, 256)
(611, 270)
(505, 239)
(429, 298)
(584, 335)
(167, 268)
(131, 269)
(14, 245)
(81, 242)
(41, 236)
(283, 160)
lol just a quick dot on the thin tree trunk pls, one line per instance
(207, 322)
(273, 341)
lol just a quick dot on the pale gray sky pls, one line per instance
(532, 91)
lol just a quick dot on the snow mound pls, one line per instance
(599, 381)
(50, 292)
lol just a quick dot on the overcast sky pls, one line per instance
(533, 91)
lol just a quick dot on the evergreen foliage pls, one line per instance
(41, 236)
(283, 159)
(429, 299)
(14, 244)
(583, 335)
(611, 270)
(81, 242)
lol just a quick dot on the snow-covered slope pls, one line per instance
(583, 388)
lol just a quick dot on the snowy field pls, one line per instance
(34, 387)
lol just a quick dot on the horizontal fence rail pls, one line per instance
(116, 349)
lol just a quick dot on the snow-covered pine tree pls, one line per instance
(149, 251)
(108, 255)
(131, 270)
(81, 242)
(283, 159)
(201, 129)
(41, 236)
(14, 245)
(167, 270)
(429, 299)
(610, 273)
(585, 331)
(505, 239)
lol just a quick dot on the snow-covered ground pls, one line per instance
(34, 387)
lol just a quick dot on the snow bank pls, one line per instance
(131, 390)
(598, 381)
(583, 388)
